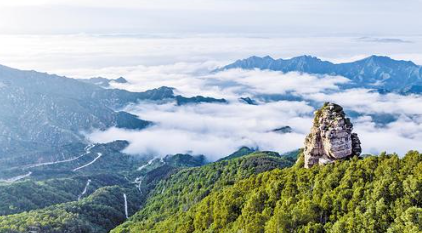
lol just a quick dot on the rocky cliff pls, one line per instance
(331, 137)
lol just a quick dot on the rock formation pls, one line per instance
(331, 137)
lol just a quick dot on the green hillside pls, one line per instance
(102, 208)
(183, 190)
(100, 212)
(375, 194)
(257, 192)
(29, 195)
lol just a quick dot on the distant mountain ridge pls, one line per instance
(42, 111)
(377, 72)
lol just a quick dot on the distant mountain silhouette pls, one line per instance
(377, 72)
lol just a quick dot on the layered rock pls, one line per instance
(331, 137)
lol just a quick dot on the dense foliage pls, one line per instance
(29, 195)
(181, 191)
(375, 194)
(100, 212)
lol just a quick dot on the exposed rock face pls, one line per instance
(331, 137)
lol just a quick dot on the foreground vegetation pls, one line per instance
(100, 212)
(104, 208)
(174, 196)
(374, 194)
(254, 192)
(30, 195)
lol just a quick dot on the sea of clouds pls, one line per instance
(186, 62)
(216, 130)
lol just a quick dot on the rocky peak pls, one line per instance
(331, 137)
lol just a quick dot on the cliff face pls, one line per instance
(331, 137)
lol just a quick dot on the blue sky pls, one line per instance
(248, 17)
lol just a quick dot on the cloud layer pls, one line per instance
(216, 130)
(185, 61)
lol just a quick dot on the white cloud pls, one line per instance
(270, 82)
(367, 101)
(399, 136)
(216, 130)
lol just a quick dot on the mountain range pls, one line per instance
(377, 72)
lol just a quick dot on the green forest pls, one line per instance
(104, 209)
(244, 192)
(99, 212)
(372, 194)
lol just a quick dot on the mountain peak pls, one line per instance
(306, 57)
(257, 58)
(376, 58)
(385, 60)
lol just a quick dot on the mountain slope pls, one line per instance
(29, 195)
(375, 194)
(100, 212)
(239, 153)
(184, 189)
(378, 72)
(82, 159)
(42, 113)
(90, 202)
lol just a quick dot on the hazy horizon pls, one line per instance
(70, 54)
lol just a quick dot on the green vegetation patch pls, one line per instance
(376, 194)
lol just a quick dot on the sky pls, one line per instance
(282, 17)
(178, 43)
(60, 35)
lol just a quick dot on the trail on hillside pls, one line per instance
(87, 150)
(88, 164)
(16, 178)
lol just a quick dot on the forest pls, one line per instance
(372, 194)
